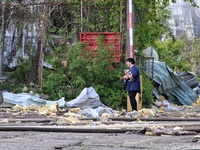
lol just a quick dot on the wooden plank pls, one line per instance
(129, 126)
(153, 119)
(27, 120)
(139, 96)
(52, 129)
(79, 130)
(129, 107)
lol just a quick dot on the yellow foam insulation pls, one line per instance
(69, 114)
(25, 89)
(75, 110)
(106, 115)
(71, 120)
(197, 136)
(48, 110)
(147, 112)
(4, 121)
(177, 128)
(197, 101)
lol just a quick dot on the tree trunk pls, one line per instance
(1, 39)
(43, 43)
(34, 67)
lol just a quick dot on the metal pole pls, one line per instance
(131, 27)
(120, 16)
(81, 15)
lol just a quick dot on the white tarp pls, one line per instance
(150, 52)
(88, 100)
(26, 99)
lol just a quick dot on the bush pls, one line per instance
(21, 72)
(78, 68)
(170, 52)
(95, 69)
(147, 90)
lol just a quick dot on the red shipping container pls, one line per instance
(112, 39)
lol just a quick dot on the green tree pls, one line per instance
(170, 52)
(191, 54)
(151, 22)
(95, 69)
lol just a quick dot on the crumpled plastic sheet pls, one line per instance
(96, 112)
(26, 99)
(88, 101)
(88, 98)
(168, 106)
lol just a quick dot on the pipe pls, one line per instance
(120, 16)
(81, 15)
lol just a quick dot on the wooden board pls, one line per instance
(139, 96)
(129, 107)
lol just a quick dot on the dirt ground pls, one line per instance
(93, 141)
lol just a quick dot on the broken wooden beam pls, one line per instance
(153, 119)
(27, 120)
(63, 129)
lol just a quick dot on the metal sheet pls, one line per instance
(171, 85)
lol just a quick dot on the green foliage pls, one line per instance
(104, 16)
(21, 73)
(150, 22)
(147, 90)
(170, 52)
(15, 87)
(53, 85)
(56, 83)
(85, 69)
(191, 53)
(95, 69)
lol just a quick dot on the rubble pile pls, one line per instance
(68, 114)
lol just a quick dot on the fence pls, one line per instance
(146, 64)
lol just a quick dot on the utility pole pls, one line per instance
(131, 27)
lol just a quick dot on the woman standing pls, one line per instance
(133, 82)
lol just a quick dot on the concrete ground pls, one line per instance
(26, 140)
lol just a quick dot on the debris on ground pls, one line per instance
(157, 131)
(87, 114)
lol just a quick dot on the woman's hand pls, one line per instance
(126, 77)
(130, 76)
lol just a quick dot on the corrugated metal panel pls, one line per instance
(171, 85)
(190, 79)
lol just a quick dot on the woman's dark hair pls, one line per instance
(131, 60)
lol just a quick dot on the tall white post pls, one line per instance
(131, 27)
